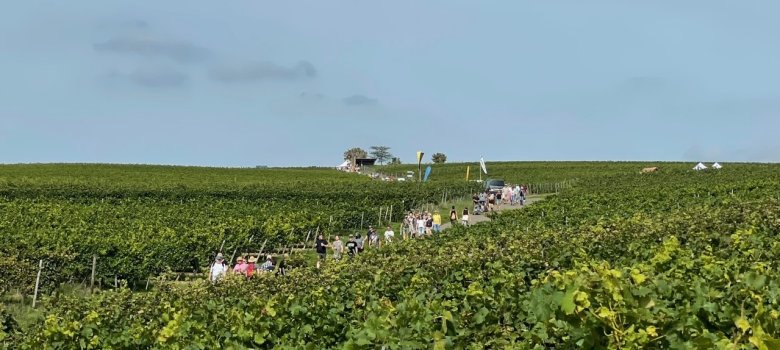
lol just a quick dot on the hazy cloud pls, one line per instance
(360, 100)
(312, 105)
(311, 96)
(180, 51)
(159, 77)
(262, 71)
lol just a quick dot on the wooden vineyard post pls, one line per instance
(218, 251)
(261, 249)
(236, 249)
(307, 238)
(379, 222)
(37, 283)
(361, 220)
(390, 215)
(92, 280)
(116, 282)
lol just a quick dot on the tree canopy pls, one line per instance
(381, 153)
(355, 153)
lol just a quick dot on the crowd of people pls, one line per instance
(420, 224)
(492, 200)
(415, 224)
(245, 267)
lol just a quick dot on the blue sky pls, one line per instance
(244, 83)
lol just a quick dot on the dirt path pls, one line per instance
(475, 219)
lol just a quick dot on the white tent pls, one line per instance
(344, 165)
(700, 166)
(716, 166)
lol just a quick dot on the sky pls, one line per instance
(296, 83)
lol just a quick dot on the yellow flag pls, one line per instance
(419, 156)
(468, 167)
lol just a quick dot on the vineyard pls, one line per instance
(140, 221)
(617, 259)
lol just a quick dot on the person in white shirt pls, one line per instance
(218, 269)
(420, 226)
(389, 234)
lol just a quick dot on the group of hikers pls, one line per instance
(492, 200)
(355, 244)
(419, 224)
(416, 224)
(244, 267)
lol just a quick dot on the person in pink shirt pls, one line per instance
(241, 266)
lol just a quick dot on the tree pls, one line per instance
(439, 158)
(354, 153)
(395, 161)
(381, 153)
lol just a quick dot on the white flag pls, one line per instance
(482, 164)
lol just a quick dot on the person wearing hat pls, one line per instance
(250, 267)
(241, 266)
(218, 268)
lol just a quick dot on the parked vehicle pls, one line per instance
(494, 185)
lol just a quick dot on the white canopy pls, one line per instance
(716, 166)
(344, 165)
(700, 166)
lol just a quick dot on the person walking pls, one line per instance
(338, 248)
(389, 234)
(322, 249)
(360, 242)
(437, 222)
(465, 217)
(218, 269)
(282, 269)
(321, 245)
(453, 216)
(420, 225)
(352, 247)
(373, 237)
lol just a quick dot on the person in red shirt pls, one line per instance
(250, 269)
